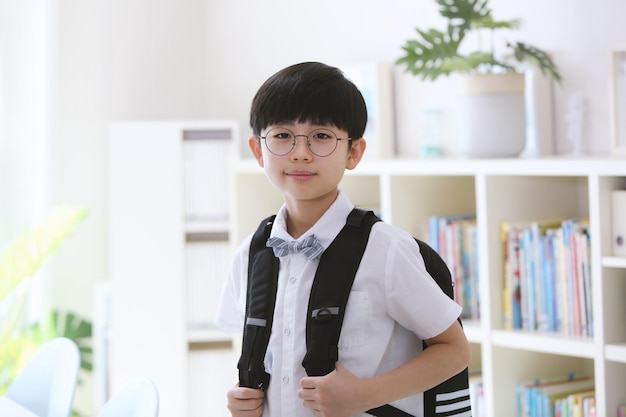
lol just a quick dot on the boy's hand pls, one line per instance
(337, 394)
(245, 402)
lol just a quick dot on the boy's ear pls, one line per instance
(356, 153)
(254, 143)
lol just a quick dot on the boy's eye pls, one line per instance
(322, 135)
(282, 135)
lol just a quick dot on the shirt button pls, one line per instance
(285, 379)
(292, 280)
(287, 332)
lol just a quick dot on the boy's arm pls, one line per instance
(342, 394)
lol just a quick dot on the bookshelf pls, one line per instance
(407, 192)
(169, 247)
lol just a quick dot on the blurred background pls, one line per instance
(69, 68)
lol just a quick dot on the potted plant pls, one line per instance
(495, 81)
(19, 262)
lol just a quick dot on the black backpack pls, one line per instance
(329, 295)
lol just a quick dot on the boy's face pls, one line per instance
(300, 175)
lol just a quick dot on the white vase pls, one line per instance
(491, 115)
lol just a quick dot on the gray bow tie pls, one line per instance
(309, 246)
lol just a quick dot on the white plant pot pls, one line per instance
(491, 115)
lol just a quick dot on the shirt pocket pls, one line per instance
(355, 320)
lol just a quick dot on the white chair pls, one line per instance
(46, 385)
(138, 398)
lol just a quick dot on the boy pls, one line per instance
(308, 121)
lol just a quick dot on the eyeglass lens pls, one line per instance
(280, 141)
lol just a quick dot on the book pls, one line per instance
(576, 403)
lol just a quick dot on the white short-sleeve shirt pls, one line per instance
(393, 305)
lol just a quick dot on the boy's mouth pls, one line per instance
(300, 175)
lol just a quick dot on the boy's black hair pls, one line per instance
(309, 92)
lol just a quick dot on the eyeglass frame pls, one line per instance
(294, 143)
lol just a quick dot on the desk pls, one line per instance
(10, 408)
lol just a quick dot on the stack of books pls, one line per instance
(547, 277)
(568, 396)
(455, 239)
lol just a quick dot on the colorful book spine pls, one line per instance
(547, 277)
(454, 238)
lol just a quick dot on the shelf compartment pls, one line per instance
(613, 306)
(419, 197)
(615, 352)
(614, 395)
(606, 186)
(473, 331)
(253, 199)
(512, 365)
(212, 369)
(514, 199)
(363, 190)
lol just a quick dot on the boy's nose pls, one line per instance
(301, 148)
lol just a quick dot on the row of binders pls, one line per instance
(547, 277)
(206, 157)
(207, 266)
(207, 151)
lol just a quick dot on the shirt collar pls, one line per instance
(325, 229)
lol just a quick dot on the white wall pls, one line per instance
(276, 33)
(196, 59)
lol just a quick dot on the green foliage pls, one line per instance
(435, 53)
(60, 324)
(18, 264)
(18, 349)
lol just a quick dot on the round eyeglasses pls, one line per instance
(321, 142)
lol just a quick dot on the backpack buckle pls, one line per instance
(324, 314)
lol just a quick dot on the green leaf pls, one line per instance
(462, 13)
(19, 348)
(60, 324)
(537, 57)
(435, 53)
(424, 56)
(489, 23)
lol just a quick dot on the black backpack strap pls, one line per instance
(329, 297)
(329, 294)
(261, 296)
(452, 394)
